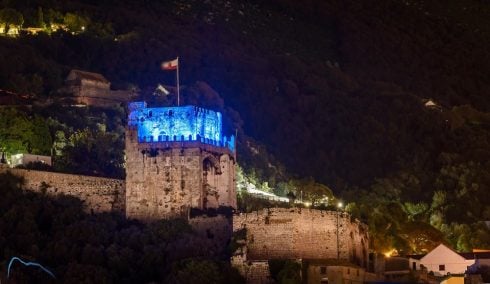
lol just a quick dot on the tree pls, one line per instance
(292, 197)
(283, 188)
(20, 133)
(10, 17)
(416, 211)
(285, 271)
(438, 209)
(75, 22)
(421, 237)
(53, 17)
(93, 152)
(313, 192)
(195, 271)
(40, 18)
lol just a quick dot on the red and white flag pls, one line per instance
(170, 65)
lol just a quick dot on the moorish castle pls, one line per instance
(178, 159)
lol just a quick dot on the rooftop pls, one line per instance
(88, 76)
(178, 124)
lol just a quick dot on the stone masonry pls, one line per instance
(99, 194)
(280, 233)
(167, 176)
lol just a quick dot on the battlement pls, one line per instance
(296, 233)
(178, 124)
(177, 159)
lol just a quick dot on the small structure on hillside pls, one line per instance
(93, 89)
(25, 159)
(443, 261)
(85, 83)
(177, 158)
(431, 104)
(9, 98)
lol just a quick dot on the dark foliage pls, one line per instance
(334, 89)
(285, 271)
(339, 88)
(99, 248)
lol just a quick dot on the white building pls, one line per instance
(442, 261)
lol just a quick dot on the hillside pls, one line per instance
(333, 89)
(92, 248)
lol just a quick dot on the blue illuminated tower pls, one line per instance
(177, 158)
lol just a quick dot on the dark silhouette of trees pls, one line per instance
(10, 17)
(100, 248)
(329, 89)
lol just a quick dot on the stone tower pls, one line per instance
(177, 159)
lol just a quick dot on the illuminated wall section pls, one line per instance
(184, 123)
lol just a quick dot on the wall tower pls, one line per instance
(177, 159)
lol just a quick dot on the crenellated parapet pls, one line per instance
(176, 159)
(178, 124)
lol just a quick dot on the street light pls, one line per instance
(339, 206)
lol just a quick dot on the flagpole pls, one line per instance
(178, 83)
(236, 140)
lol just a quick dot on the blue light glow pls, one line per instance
(184, 123)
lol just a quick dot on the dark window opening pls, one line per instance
(442, 267)
(323, 270)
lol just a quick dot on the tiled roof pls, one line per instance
(90, 76)
(416, 256)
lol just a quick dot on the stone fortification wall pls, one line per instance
(217, 229)
(165, 180)
(252, 271)
(280, 233)
(99, 194)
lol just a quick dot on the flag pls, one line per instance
(170, 65)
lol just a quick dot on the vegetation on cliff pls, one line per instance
(335, 90)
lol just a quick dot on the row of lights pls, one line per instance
(308, 204)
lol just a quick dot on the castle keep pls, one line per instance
(177, 159)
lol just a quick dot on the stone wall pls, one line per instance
(217, 229)
(280, 233)
(166, 179)
(99, 194)
(254, 272)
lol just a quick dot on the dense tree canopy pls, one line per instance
(336, 90)
(22, 133)
(100, 248)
